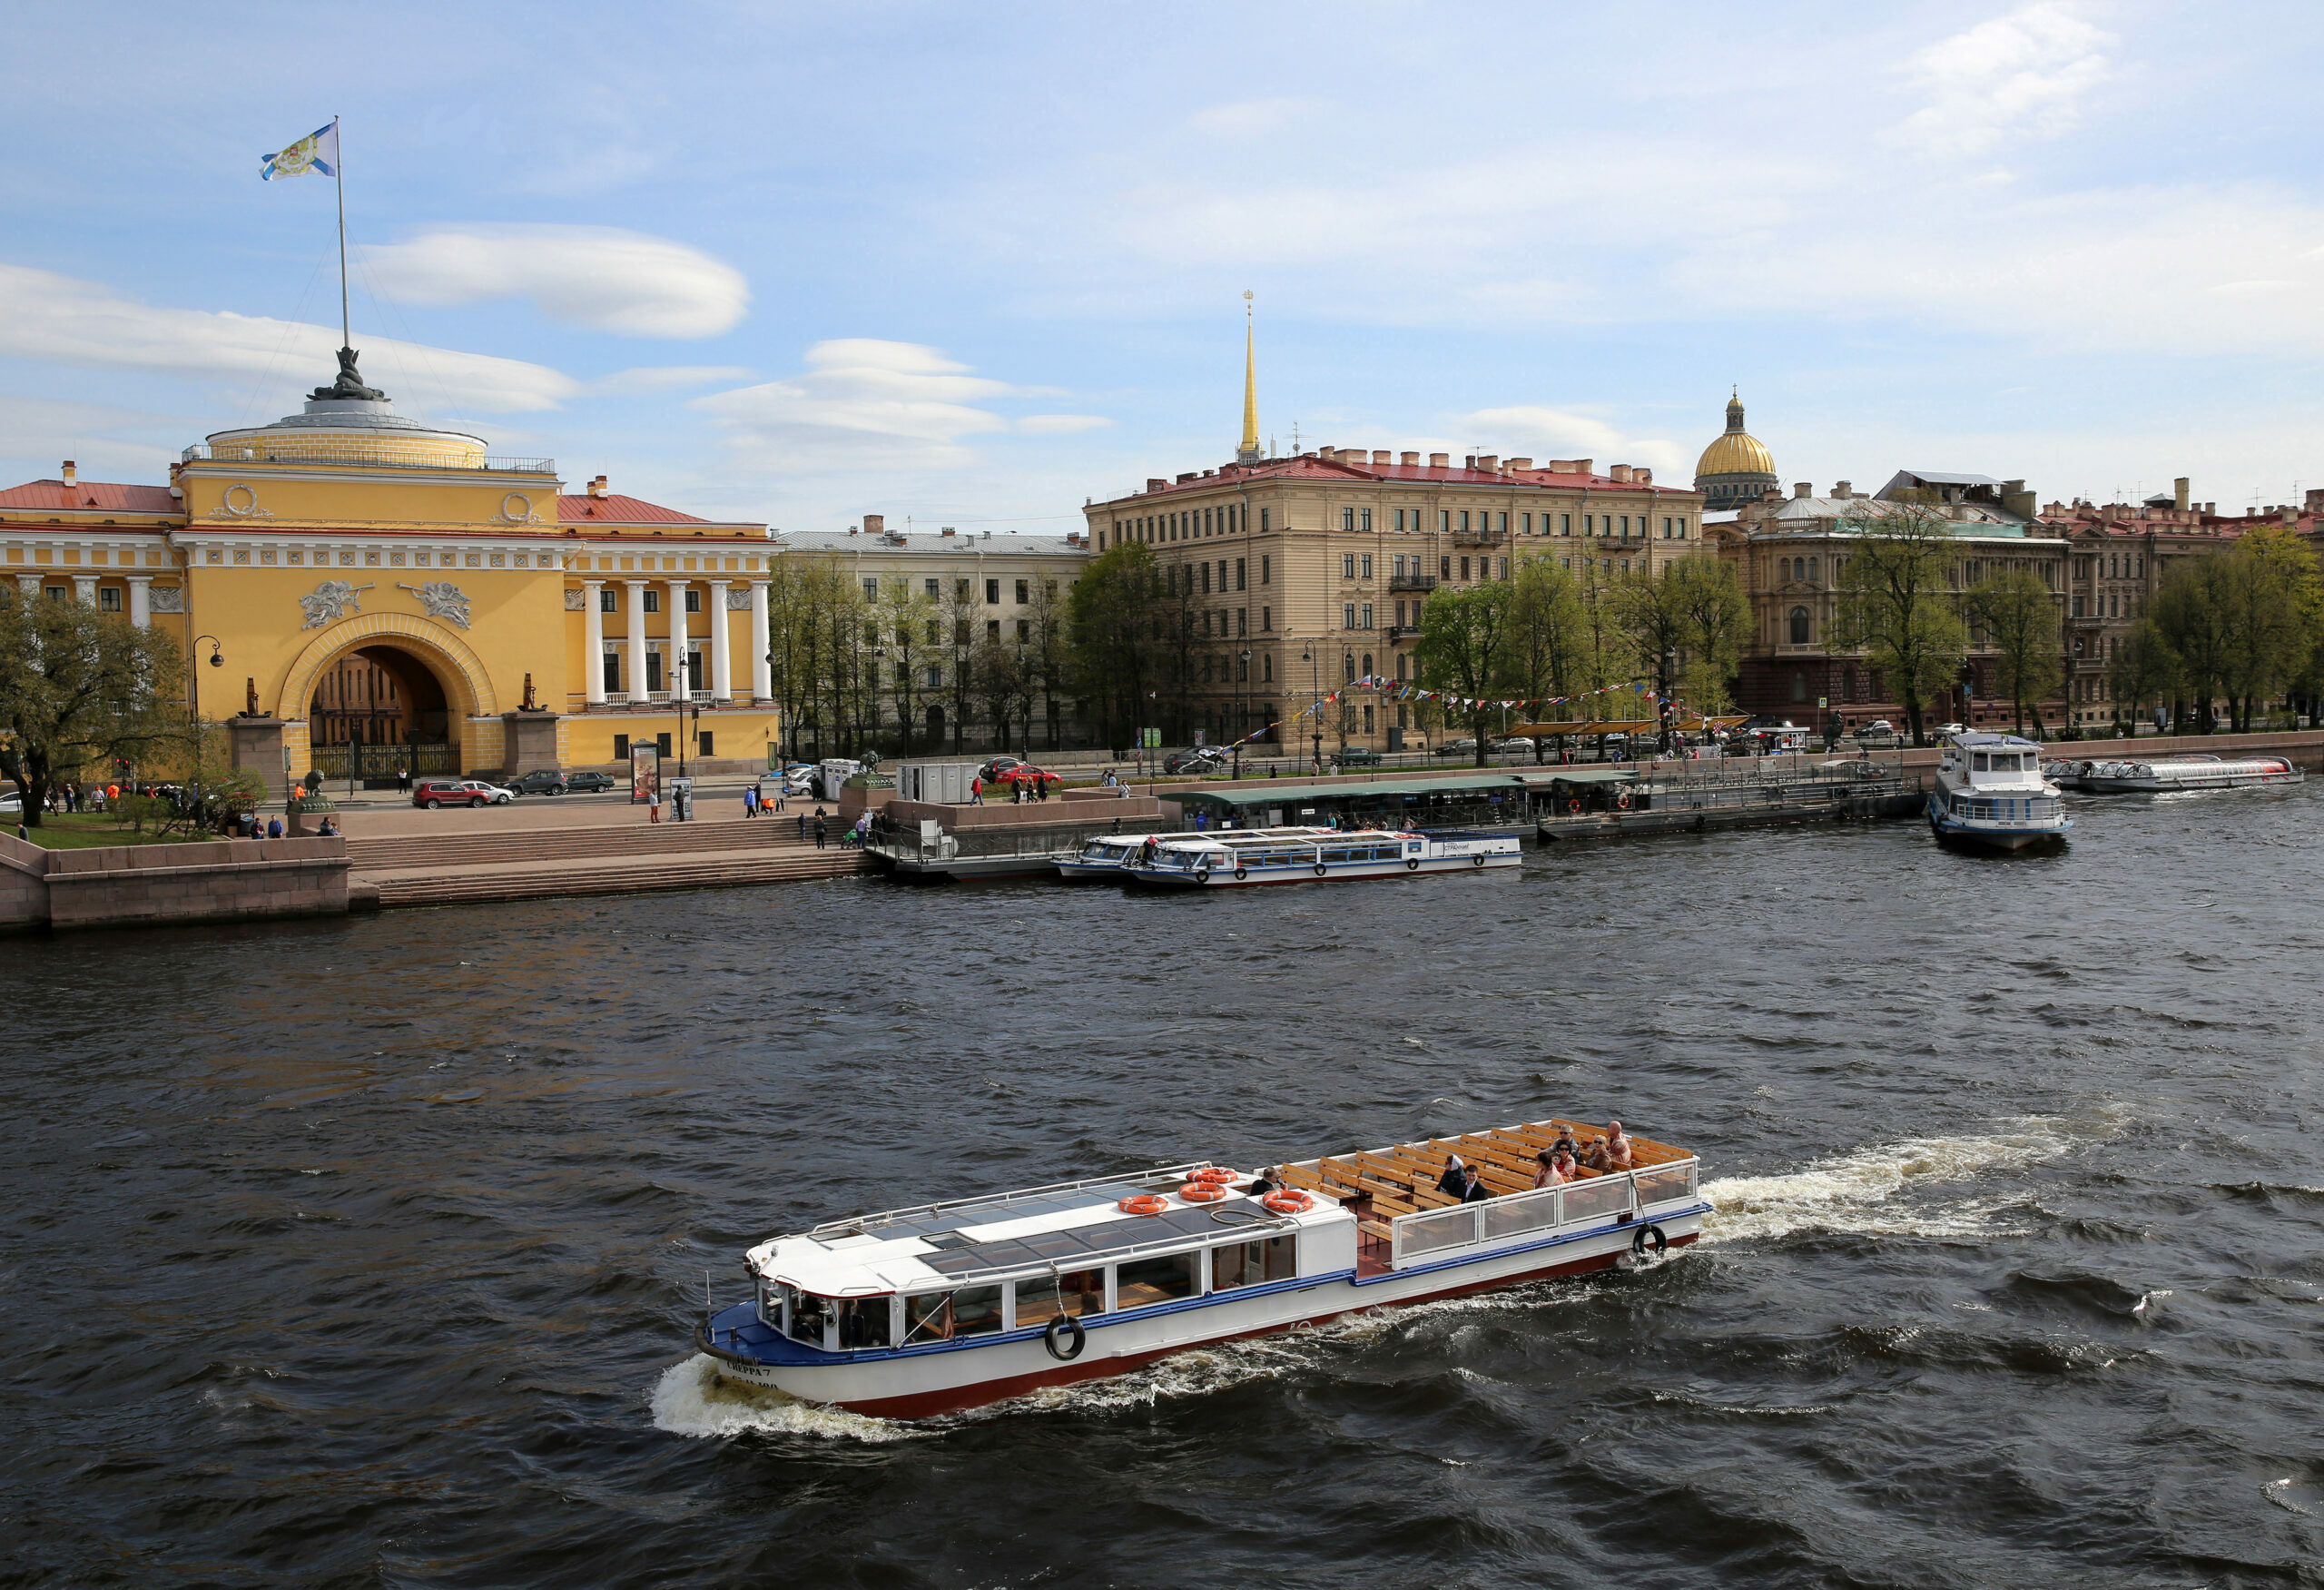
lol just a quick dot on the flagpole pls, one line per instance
(339, 176)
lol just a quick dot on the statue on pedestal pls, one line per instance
(350, 383)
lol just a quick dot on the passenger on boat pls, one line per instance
(1618, 1147)
(1473, 1186)
(1454, 1183)
(1566, 1145)
(1598, 1159)
(1549, 1175)
(1264, 1182)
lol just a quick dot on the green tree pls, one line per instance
(1716, 620)
(1550, 637)
(1899, 605)
(1463, 648)
(2189, 615)
(1114, 641)
(79, 686)
(907, 623)
(2143, 670)
(2019, 615)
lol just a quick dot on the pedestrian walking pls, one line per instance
(750, 802)
(819, 830)
(654, 808)
(802, 827)
(976, 792)
(780, 791)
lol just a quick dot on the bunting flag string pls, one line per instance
(1403, 690)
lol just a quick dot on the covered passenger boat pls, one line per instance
(1106, 855)
(1235, 860)
(2166, 775)
(1991, 793)
(924, 1311)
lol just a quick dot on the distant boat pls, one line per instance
(1106, 855)
(1234, 859)
(2167, 774)
(1991, 793)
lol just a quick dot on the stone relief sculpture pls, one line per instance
(440, 598)
(576, 601)
(166, 598)
(738, 601)
(333, 599)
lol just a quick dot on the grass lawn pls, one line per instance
(85, 830)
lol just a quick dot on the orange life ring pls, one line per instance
(1215, 1176)
(1289, 1201)
(1573, 806)
(1145, 1203)
(1623, 800)
(1201, 1192)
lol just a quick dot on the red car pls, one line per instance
(1026, 773)
(432, 793)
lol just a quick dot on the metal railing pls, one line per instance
(1517, 1216)
(1411, 582)
(202, 453)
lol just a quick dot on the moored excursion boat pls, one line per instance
(1233, 859)
(1990, 791)
(926, 1310)
(1105, 856)
(2191, 771)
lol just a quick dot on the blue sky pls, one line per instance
(973, 264)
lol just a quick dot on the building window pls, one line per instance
(992, 593)
(871, 593)
(959, 590)
(1444, 520)
(1565, 524)
(1366, 564)
(1024, 592)
(1266, 620)
(1347, 518)
(1241, 620)
(993, 629)
(1266, 667)
(1465, 568)
(1367, 720)
(1238, 574)
(1206, 576)
(108, 598)
(1464, 521)
(662, 745)
(621, 747)
(653, 601)
(694, 597)
(1444, 568)
(613, 673)
(2077, 607)
(1024, 630)
(1347, 566)
(1367, 624)
(933, 678)
(706, 740)
(1266, 568)
(933, 589)
(1266, 514)
(608, 602)
(1364, 520)
(1503, 523)
(1526, 523)
(1798, 630)
(1347, 615)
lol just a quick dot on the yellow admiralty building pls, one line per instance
(385, 596)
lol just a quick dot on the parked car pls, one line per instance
(432, 793)
(544, 781)
(587, 783)
(994, 771)
(1358, 756)
(1199, 759)
(1514, 743)
(1943, 729)
(1462, 747)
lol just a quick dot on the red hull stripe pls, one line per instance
(927, 1404)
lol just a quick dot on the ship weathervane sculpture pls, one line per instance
(350, 383)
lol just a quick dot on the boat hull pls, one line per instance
(924, 1384)
(1341, 872)
(1993, 835)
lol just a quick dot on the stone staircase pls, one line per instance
(453, 868)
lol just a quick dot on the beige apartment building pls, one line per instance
(1309, 572)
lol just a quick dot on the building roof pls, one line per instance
(1318, 467)
(1736, 452)
(611, 510)
(922, 542)
(87, 497)
(1795, 516)
(1935, 478)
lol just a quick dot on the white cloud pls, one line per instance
(862, 400)
(600, 277)
(1545, 433)
(2027, 73)
(1248, 117)
(665, 377)
(1061, 424)
(60, 320)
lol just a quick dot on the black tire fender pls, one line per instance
(1477, 860)
(1062, 1329)
(1412, 863)
(1649, 1237)
(1320, 869)
(1241, 872)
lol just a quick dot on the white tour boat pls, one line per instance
(922, 1311)
(2164, 775)
(1990, 791)
(1233, 859)
(1106, 855)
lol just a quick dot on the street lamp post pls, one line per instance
(193, 679)
(1315, 703)
(686, 702)
(1243, 707)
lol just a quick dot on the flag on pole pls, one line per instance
(318, 151)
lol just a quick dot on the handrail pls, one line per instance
(856, 1225)
(202, 453)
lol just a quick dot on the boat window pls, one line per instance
(942, 1316)
(808, 1313)
(1140, 1282)
(1981, 763)
(1041, 1298)
(1246, 1264)
(863, 1322)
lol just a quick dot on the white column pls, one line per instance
(84, 586)
(722, 662)
(29, 584)
(636, 641)
(593, 643)
(141, 600)
(762, 675)
(677, 600)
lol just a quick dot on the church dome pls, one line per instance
(1737, 467)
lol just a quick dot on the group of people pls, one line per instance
(1561, 1162)
(755, 799)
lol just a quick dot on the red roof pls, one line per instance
(619, 510)
(88, 496)
(1310, 466)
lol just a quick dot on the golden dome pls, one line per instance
(1738, 452)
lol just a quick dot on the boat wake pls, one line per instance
(1860, 1191)
(692, 1398)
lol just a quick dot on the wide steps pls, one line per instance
(582, 877)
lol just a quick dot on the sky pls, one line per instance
(977, 265)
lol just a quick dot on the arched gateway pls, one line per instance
(383, 693)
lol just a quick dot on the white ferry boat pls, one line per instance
(2164, 775)
(1105, 856)
(1990, 791)
(1233, 860)
(921, 1311)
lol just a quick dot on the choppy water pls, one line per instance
(365, 1253)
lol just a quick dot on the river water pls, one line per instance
(365, 1253)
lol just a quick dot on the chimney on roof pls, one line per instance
(1380, 457)
(1409, 460)
(2316, 500)
(1585, 466)
(597, 486)
(1489, 462)
(1468, 461)
(2179, 493)
(875, 523)
(71, 474)
(946, 531)
(1803, 488)
(1843, 489)
(1439, 460)
(1153, 483)
(1642, 475)
(1521, 463)
(1621, 472)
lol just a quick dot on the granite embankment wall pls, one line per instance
(148, 885)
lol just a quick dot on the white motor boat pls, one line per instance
(1231, 859)
(1105, 856)
(1991, 792)
(922, 1311)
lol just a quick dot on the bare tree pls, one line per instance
(1900, 605)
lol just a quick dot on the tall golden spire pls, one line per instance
(1248, 453)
